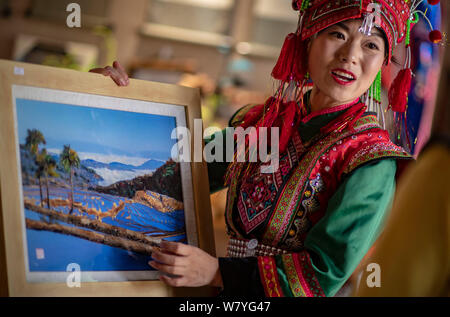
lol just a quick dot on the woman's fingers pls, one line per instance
(176, 277)
(102, 71)
(175, 248)
(117, 76)
(168, 259)
(192, 266)
(173, 281)
(168, 269)
(121, 70)
(116, 72)
(168, 263)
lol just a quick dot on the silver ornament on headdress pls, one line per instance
(371, 19)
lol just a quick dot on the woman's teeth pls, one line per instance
(343, 76)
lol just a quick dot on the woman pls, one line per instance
(302, 230)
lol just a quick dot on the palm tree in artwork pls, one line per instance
(49, 169)
(32, 141)
(69, 159)
(39, 173)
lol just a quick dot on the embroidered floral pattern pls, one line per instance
(300, 275)
(288, 201)
(258, 192)
(376, 151)
(292, 277)
(256, 196)
(269, 276)
(301, 226)
(309, 205)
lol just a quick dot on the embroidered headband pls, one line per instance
(389, 15)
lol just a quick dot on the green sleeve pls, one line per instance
(354, 218)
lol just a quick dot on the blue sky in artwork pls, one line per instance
(95, 130)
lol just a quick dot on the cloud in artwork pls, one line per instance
(107, 158)
(114, 176)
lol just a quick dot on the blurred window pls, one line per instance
(212, 16)
(93, 12)
(272, 21)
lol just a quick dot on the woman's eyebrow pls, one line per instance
(346, 28)
(342, 25)
(378, 33)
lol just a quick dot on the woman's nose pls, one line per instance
(348, 54)
(351, 59)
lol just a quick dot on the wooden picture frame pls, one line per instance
(50, 97)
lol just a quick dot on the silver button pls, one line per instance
(252, 244)
(251, 247)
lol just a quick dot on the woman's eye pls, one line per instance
(373, 46)
(338, 35)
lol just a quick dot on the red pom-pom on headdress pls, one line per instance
(435, 36)
(399, 90)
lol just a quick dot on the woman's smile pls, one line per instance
(343, 77)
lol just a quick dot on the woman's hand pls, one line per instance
(116, 72)
(188, 266)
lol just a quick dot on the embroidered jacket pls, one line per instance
(289, 214)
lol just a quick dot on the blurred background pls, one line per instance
(227, 48)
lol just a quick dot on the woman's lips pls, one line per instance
(343, 76)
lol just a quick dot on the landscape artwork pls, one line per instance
(99, 185)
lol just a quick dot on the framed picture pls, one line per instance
(91, 181)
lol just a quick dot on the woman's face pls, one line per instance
(343, 62)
